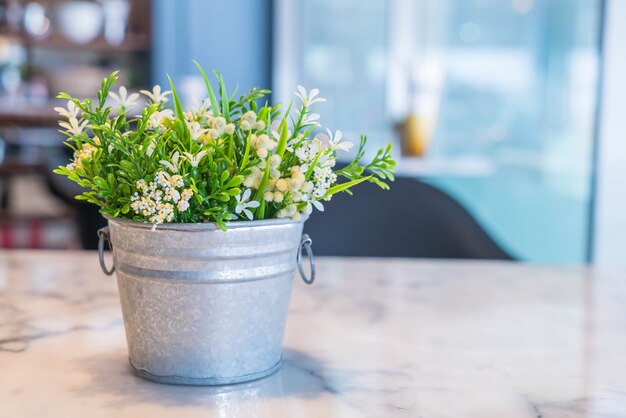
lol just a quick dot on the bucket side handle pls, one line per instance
(103, 236)
(305, 244)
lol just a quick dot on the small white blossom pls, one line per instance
(194, 160)
(243, 204)
(156, 95)
(196, 130)
(173, 165)
(156, 119)
(335, 141)
(311, 119)
(309, 150)
(125, 102)
(309, 98)
(318, 205)
(150, 148)
(201, 108)
(73, 126)
(72, 110)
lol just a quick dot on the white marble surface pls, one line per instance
(371, 338)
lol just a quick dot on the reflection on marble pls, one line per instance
(371, 338)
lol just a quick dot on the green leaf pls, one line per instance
(246, 155)
(223, 96)
(282, 140)
(127, 165)
(224, 177)
(209, 88)
(258, 196)
(312, 166)
(235, 181)
(344, 186)
(100, 182)
(179, 109)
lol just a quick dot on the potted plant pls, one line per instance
(205, 211)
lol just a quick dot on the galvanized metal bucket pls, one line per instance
(202, 306)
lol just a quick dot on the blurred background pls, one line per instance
(506, 115)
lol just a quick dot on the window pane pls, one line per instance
(509, 84)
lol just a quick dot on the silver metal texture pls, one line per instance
(305, 244)
(103, 237)
(202, 306)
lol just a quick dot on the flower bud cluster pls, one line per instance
(218, 127)
(263, 145)
(314, 152)
(86, 152)
(248, 121)
(159, 199)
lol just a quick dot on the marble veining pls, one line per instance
(372, 338)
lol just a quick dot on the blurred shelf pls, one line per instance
(15, 165)
(56, 40)
(28, 114)
(7, 216)
(472, 166)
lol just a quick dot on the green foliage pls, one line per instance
(226, 159)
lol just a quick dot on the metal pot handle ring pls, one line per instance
(305, 244)
(103, 236)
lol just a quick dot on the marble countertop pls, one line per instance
(371, 338)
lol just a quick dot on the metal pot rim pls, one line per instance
(204, 226)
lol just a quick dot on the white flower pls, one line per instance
(308, 150)
(200, 109)
(156, 119)
(243, 204)
(71, 112)
(318, 205)
(73, 126)
(194, 160)
(311, 119)
(289, 211)
(125, 102)
(195, 130)
(335, 141)
(156, 95)
(172, 166)
(309, 98)
(150, 148)
(183, 205)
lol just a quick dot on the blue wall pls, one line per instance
(231, 36)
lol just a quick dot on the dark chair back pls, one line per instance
(413, 219)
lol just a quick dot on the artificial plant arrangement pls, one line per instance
(225, 159)
(202, 306)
